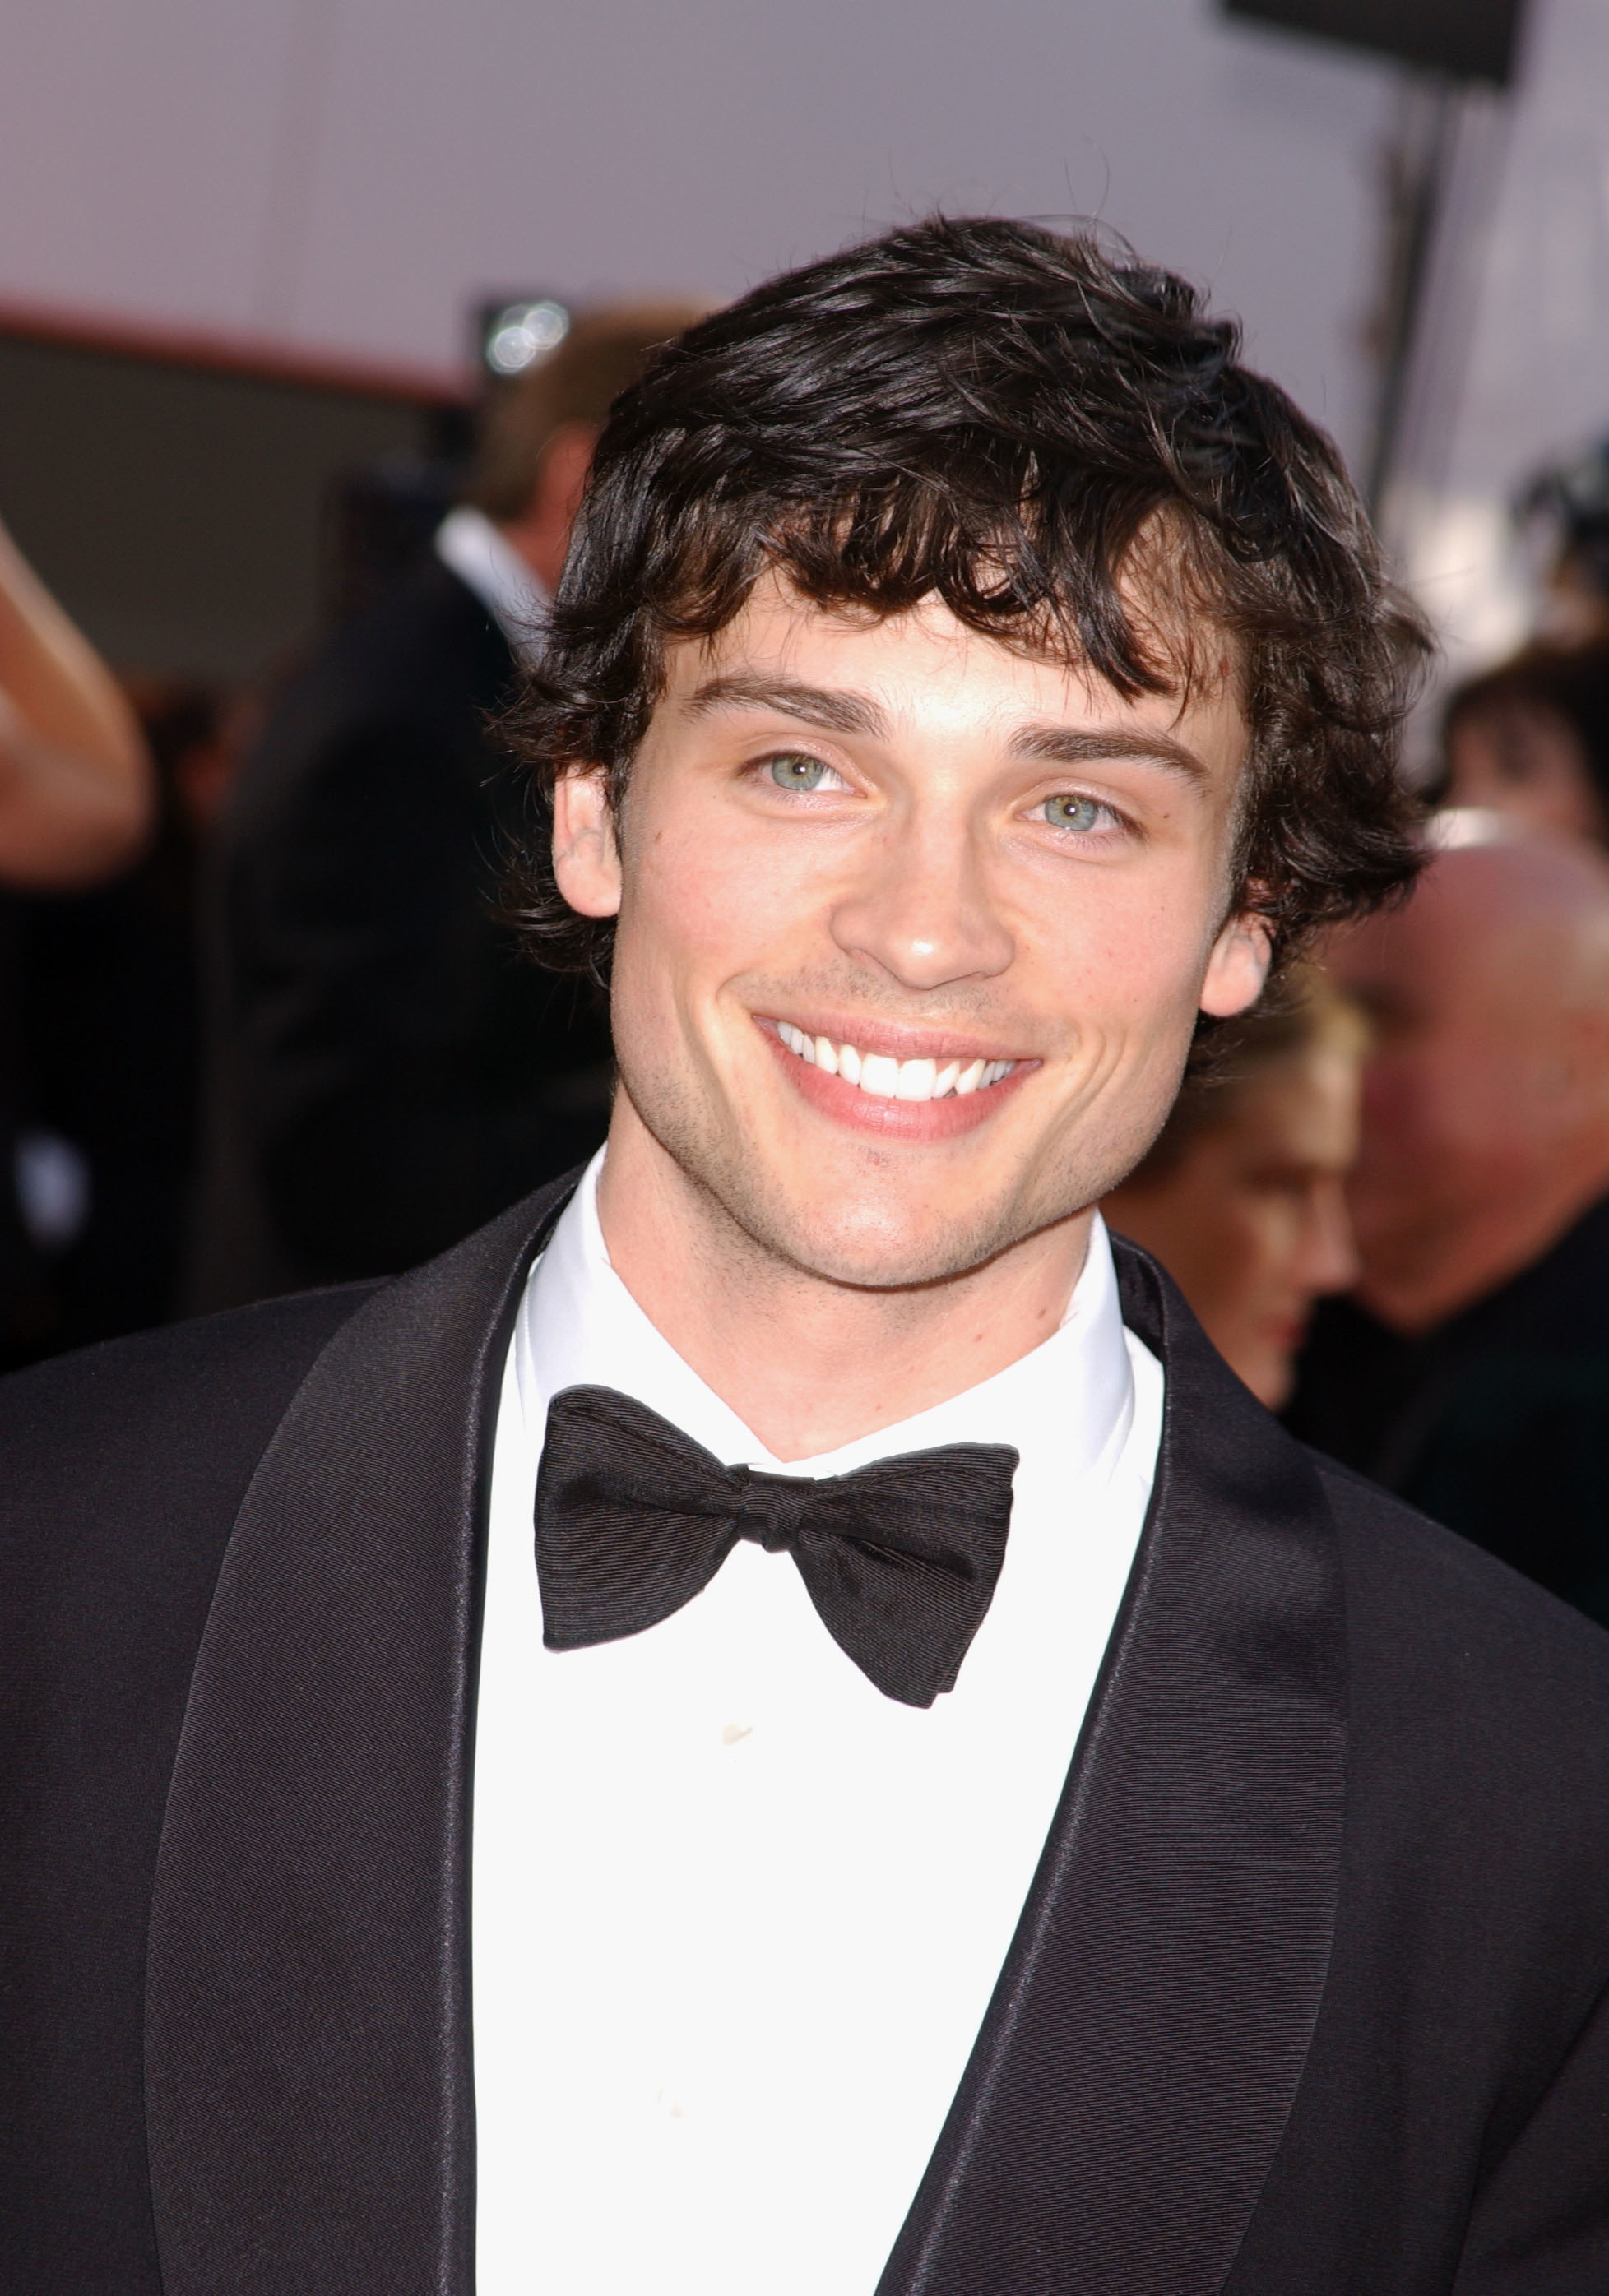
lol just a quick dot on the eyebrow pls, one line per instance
(834, 711)
(1075, 745)
(838, 711)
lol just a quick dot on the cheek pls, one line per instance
(1251, 1252)
(1132, 968)
(1569, 802)
(1224, 1244)
(1412, 1103)
(1279, 1226)
(1472, 776)
(691, 914)
(705, 886)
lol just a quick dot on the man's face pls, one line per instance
(913, 930)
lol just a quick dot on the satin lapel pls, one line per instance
(309, 2077)
(1137, 2065)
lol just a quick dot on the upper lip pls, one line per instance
(897, 1041)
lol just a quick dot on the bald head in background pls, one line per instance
(1469, 1371)
(1486, 1104)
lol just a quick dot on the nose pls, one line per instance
(1329, 1257)
(920, 910)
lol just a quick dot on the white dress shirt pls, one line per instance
(482, 556)
(738, 1916)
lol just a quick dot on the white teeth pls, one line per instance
(879, 1075)
(887, 1078)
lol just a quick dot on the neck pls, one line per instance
(807, 1362)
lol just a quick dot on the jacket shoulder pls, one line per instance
(122, 1468)
(121, 1471)
(164, 1409)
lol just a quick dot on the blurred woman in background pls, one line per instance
(1241, 1197)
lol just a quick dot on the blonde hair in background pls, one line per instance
(1313, 1015)
(605, 351)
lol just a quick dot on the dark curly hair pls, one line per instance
(1038, 432)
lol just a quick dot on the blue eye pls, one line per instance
(795, 771)
(1082, 814)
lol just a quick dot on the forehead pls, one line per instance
(924, 669)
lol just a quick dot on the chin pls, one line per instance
(875, 1247)
(855, 1212)
(878, 1229)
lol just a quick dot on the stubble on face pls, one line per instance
(877, 1223)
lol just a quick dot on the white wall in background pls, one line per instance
(345, 174)
(1515, 367)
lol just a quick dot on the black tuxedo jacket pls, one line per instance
(1308, 1996)
(385, 1069)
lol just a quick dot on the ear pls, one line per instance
(585, 856)
(1237, 967)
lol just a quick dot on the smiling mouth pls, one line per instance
(883, 1077)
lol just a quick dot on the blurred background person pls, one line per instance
(1470, 1369)
(109, 1017)
(385, 1071)
(75, 805)
(1241, 1197)
(1563, 511)
(1530, 739)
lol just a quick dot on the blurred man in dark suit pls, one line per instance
(386, 1073)
(1470, 1370)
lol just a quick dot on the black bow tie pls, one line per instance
(900, 1558)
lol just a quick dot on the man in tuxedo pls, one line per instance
(776, 1719)
(1469, 1371)
(383, 1073)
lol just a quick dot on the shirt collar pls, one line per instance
(1073, 1395)
(484, 558)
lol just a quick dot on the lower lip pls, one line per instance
(916, 1120)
